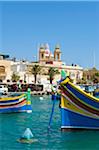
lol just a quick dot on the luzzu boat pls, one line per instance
(96, 92)
(15, 103)
(79, 110)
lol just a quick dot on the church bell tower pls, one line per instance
(57, 53)
(41, 53)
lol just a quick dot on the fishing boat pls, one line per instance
(96, 92)
(79, 110)
(15, 103)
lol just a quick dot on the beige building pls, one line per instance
(46, 60)
(47, 57)
(10, 66)
(20, 68)
(5, 68)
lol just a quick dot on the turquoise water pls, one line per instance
(13, 125)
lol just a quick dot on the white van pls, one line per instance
(3, 89)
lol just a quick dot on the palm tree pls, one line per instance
(36, 69)
(15, 77)
(52, 72)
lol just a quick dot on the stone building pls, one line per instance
(9, 66)
(46, 60)
(47, 57)
(5, 68)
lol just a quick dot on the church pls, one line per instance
(47, 57)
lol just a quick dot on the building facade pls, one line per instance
(10, 66)
(20, 68)
(46, 60)
(47, 57)
(5, 68)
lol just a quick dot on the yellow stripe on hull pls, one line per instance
(80, 90)
(84, 93)
(80, 100)
(28, 102)
(12, 98)
(65, 81)
(67, 104)
(12, 102)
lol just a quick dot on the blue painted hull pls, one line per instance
(97, 94)
(9, 110)
(15, 104)
(79, 110)
(18, 109)
(71, 120)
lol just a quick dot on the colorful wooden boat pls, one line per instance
(96, 92)
(79, 110)
(15, 103)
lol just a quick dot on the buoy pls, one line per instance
(27, 134)
(27, 137)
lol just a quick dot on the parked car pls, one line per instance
(3, 89)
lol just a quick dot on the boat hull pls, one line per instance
(79, 110)
(14, 104)
(72, 121)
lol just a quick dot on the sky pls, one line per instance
(24, 25)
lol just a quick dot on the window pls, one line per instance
(42, 56)
(2, 69)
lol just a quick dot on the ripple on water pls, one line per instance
(13, 125)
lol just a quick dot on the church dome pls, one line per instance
(47, 50)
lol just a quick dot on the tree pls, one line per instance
(52, 72)
(91, 75)
(15, 77)
(36, 69)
